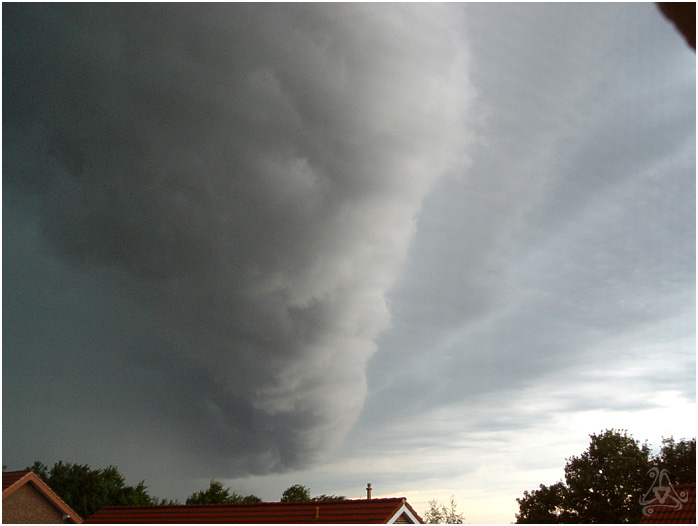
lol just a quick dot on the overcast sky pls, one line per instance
(431, 247)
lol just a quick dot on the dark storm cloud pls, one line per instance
(204, 209)
(549, 291)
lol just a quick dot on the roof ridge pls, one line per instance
(267, 503)
(355, 511)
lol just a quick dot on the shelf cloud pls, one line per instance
(240, 183)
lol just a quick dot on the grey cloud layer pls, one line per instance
(568, 249)
(205, 206)
(234, 188)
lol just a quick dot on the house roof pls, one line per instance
(376, 511)
(677, 507)
(10, 477)
(14, 480)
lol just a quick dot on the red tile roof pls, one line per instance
(13, 480)
(376, 511)
(10, 477)
(678, 508)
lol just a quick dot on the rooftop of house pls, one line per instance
(365, 511)
(676, 507)
(14, 480)
(11, 477)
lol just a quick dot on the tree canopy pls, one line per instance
(328, 497)
(87, 490)
(216, 494)
(439, 513)
(296, 493)
(678, 459)
(300, 493)
(607, 481)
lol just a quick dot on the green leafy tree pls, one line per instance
(545, 505)
(87, 490)
(606, 482)
(678, 459)
(296, 493)
(324, 497)
(439, 513)
(216, 494)
(166, 502)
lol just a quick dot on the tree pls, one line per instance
(165, 502)
(545, 505)
(215, 494)
(679, 460)
(324, 497)
(87, 490)
(606, 483)
(438, 513)
(296, 493)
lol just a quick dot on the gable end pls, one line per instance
(405, 515)
(403, 519)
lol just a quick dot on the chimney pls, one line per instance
(368, 491)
